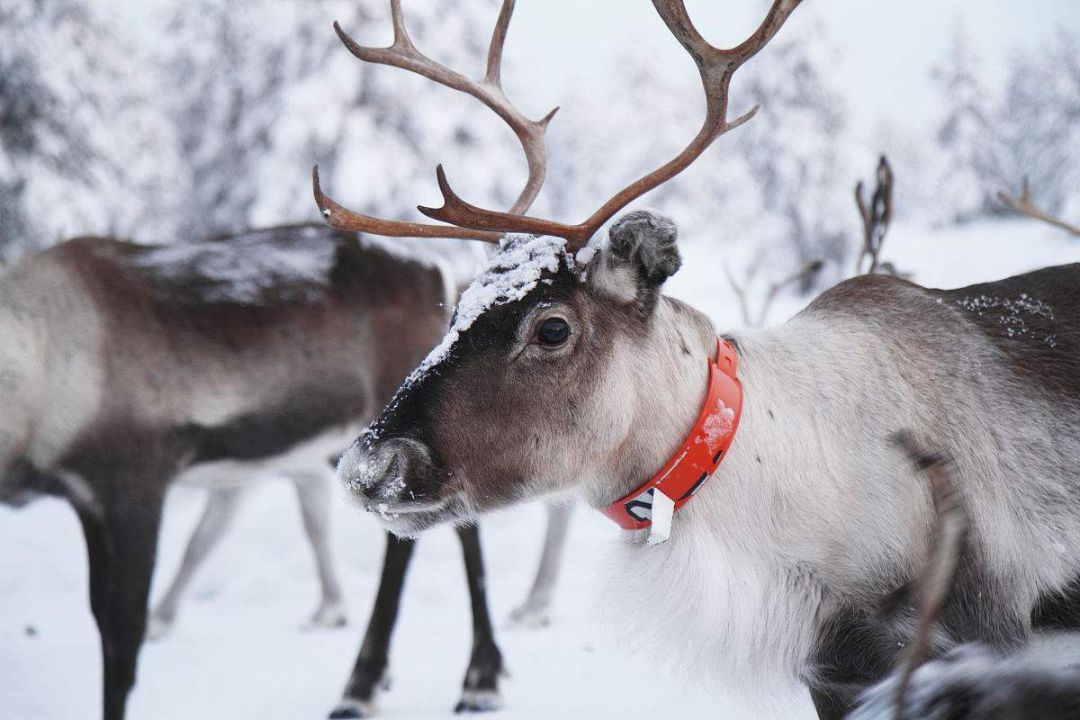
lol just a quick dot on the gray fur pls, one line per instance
(975, 683)
(647, 240)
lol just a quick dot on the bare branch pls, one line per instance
(804, 274)
(1026, 206)
(740, 294)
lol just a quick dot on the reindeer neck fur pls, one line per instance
(670, 360)
(814, 513)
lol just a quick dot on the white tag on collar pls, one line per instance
(663, 509)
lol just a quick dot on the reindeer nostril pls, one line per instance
(390, 476)
(392, 483)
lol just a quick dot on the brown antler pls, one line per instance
(1026, 206)
(716, 67)
(875, 216)
(402, 53)
(936, 580)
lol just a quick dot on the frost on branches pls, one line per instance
(1041, 120)
(81, 149)
(969, 163)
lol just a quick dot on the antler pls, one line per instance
(876, 216)
(1025, 205)
(716, 67)
(402, 53)
(937, 577)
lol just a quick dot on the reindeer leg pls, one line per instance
(481, 687)
(369, 672)
(314, 496)
(221, 506)
(99, 555)
(121, 543)
(534, 612)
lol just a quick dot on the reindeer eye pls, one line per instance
(553, 332)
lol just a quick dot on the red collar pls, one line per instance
(699, 456)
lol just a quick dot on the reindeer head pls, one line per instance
(546, 376)
(544, 373)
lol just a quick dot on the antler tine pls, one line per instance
(341, 218)
(716, 67)
(1026, 206)
(493, 74)
(402, 53)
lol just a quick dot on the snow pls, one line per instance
(947, 257)
(1012, 312)
(511, 274)
(238, 651)
(244, 268)
(718, 425)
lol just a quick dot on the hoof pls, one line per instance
(477, 701)
(530, 617)
(158, 627)
(328, 617)
(350, 709)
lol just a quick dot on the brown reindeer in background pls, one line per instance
(129, 367)
(566, 367)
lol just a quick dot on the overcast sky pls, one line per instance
(887, 48)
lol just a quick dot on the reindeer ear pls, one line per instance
(640, 255)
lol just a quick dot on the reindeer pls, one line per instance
(222, 502)
(566, 366)
(128, 367)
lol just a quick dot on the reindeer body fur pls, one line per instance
(107, 341)
(794, 560)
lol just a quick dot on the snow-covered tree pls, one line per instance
(970, 155)
(224, 70)
(267, 90)
(1041, 120)
(79, 149)
(797, 148)
(379, 131)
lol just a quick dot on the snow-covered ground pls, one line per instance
(238, 651)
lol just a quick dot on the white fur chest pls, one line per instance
(712, 611)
